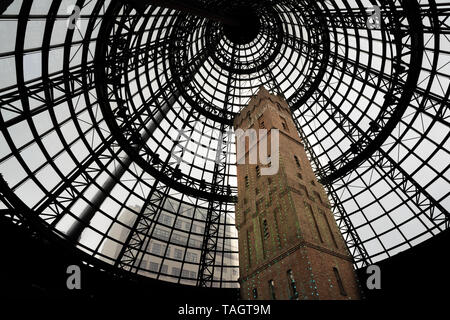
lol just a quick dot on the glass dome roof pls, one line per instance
(115, 120)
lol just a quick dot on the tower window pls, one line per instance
(272, 290)
(339, 281)
(292, 285)
(284, 124)
(261, 123)
(269, 160)
(247, 183)
(266, 229)
(255, 293)
(316, 225)
(329, 228)
(258, 171)
(317, 195)
(297, 162)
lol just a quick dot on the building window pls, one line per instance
(249, 250)
(269, 161)
(255, 293)
(191, 257)
(156, 249)
(292, 286)
(176, 271)
(247, 183)
(185, 274)
(258, 205)
(318, 197)
(257, 191)
(164, 269)
(143, 264)
(178, 239)
(313, 216)
(161, 234)
(167, 220)
(246, 212)
(272, 290)
(261, 123)
(284, 123)
(195, 243)
(302, 190)
(268, 201)
(258, 171)
(329, 228)
(297, 162)
(154, 266)
(339, 281)
(178, 254)
(266, 229)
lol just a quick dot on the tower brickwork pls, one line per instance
(289, 243)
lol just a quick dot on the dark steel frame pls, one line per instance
(315, 70)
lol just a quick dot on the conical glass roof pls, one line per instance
(115, 121)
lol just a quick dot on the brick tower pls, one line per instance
(290, 246)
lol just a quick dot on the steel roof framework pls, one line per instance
(94, 130)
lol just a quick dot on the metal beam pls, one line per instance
(4, 5)
(212, 225)
(86, 216)
(191, 7)
(349, 160)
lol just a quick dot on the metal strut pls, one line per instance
(215, 208)
(187, 6)
(86, 216)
